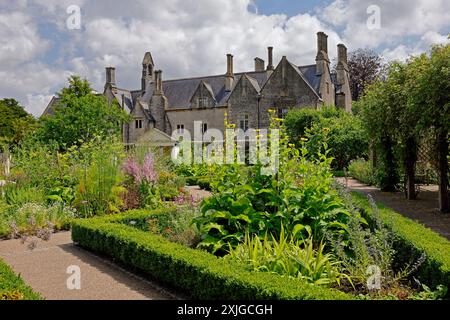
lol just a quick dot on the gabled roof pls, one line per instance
(148, 59)
(179, 92)
(253, 82)
(123, 96)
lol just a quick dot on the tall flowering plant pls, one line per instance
(144, 178)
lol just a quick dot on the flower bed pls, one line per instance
(414, 240)
(198, 273)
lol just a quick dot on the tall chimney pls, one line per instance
(322, 42)
(322, 59)
(259, 64)
(342, 66)
(229, 76)
(270, 53)
(158, 82)
(342, 53)
(111, 76)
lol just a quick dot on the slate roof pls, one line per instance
(180, 91)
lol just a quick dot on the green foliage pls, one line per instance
(15, 122)
(99, 188)
(362, 170)
(412, 242)
(346, 137)
(294, 258)
(12, 287)
(200, 274)
(174, 223)
(298, 195)
(81, 116)
(18, 196)
(18, 220)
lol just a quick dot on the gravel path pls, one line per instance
(424, 210)
(45, 270)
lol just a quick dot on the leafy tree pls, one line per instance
(431, 96)
(364, 67)
(378, 119)
(345, 133)
(15, 122)
(80, 116)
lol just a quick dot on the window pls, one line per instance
(204, 127)
(150, 70)
(180, 128)
(202, 102)
(282, 112)
(139, 124)
(328, 88)
(244, 123)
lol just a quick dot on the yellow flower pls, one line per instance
(304, 139)
(326, 129)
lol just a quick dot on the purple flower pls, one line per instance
(148, 169)
(131, 168)
(144, 173)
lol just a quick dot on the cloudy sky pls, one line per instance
(40, 48)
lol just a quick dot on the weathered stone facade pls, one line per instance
(172, 105)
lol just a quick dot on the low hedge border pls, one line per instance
(195, 272)
(414, 240)
(12, 286)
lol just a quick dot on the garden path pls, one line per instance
(45, 270)
(424, 210)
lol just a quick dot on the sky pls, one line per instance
(43, 42)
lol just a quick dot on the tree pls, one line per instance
(364, 67)
(378, 118)
(345, 133)
(431, 95)
(80, 116)
(15, 122)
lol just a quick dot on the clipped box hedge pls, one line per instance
(195, 272)
(413, 240)
(12, 287)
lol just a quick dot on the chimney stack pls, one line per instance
(229, 76)
(342, 66)
(322, 42)
(158, 82)
(342, 53)
(270, 53)
(111, 76)
(259, 65)
(322, 59)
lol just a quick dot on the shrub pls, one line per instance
(414, 241)
(198, 273)
(362, 170)
(12, 287)
(346, 137)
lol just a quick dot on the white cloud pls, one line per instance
(188, 38)
(399, 19)
(20, 39)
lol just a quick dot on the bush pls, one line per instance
(12, 287)
(198, 273)
(414, 241)
(362, 170)
(346, 137)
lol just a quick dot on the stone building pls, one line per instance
(165, 106)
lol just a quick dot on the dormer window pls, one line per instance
(139, 123)
(202, 102)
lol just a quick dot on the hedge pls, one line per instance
(413, 240)
(197, 273)
(12, 287)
